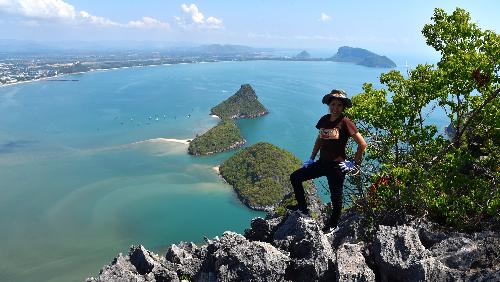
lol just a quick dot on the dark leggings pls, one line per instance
(335, 178)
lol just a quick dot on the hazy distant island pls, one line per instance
(304, 55)
(243, 104)
(224, 136)
(260, 175)
(362, 57)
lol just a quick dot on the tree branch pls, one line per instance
(464, 127)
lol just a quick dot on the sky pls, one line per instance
(381, 26)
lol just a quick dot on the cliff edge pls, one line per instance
(293, 248)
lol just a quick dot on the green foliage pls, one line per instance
(217, 139)
(260, 174)
(243, 103)
(184, 277)
(417, 171)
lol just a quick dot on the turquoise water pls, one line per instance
(77, 186)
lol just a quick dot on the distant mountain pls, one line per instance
(226, 49)
(362, 57)
(303, 55)
(243, 104)
(32, 46)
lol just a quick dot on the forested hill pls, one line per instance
(243, 104)
(362, 57)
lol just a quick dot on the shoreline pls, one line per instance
(155, 65)
(163, 140)
(94, 70)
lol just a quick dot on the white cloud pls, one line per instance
(100, 21)
(197, 19)
(149, 23)
(42, 9)
(61, 11)
(324, 17)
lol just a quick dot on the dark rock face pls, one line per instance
(293, 248)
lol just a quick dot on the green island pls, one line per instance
(224, 136)
(260, 175)
(243, 104)
(362, 57)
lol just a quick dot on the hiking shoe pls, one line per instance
(329, 229)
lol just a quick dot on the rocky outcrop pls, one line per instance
(293, 248)
(401, 254)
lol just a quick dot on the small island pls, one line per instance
(362, 57)
(260, 175)
(224, 136)
(304, 55)
(243, 104)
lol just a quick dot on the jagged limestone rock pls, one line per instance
(139, 265)
(187, 257)
(238, 259)
(351, 264)
(311, 253)
(293, 248)
(398, 252)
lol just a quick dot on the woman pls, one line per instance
(334, 131)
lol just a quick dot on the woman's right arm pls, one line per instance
(316, 148)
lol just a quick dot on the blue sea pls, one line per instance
(84, 172)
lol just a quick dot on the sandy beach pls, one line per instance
(161, 140)
(216, 169)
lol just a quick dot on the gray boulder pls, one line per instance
(238, 259)
(311, 253)
(351, 264)
(398, 253)
(139, 265)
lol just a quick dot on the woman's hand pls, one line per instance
(349, 166)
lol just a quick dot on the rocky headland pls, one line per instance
(292, 247)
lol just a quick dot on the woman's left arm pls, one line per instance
(358, 157)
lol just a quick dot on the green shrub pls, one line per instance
(453, 180)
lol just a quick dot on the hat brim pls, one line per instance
(328, 98)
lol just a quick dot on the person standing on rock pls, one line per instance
(334, 132)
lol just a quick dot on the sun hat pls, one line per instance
(339, 94)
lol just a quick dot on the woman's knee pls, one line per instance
(294, 176)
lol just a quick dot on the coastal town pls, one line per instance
(15, 70)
